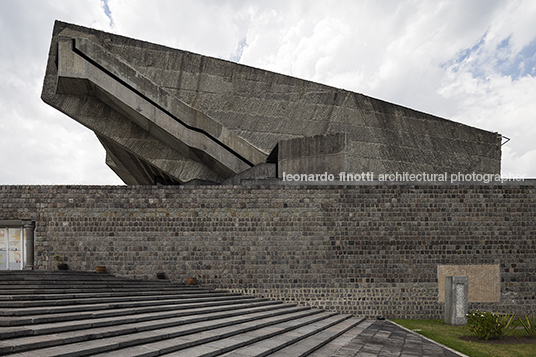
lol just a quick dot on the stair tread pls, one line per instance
(233, 333)
(333, 346)
(261, 340)
(145, 320)
(136, 331)
(71, 350)
(25, 311)
(77, 290)
(199, 332)
(83, 313)
(315, 341)
(280, 341)
(105, 299)
(92, 294)
(78, 315)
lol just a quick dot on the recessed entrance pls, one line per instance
(12, 246)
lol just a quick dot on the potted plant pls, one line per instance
(61, 264)
(192, 281)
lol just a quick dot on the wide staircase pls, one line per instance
(57, 313)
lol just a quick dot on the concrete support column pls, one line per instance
(456, 299)
(29, 227)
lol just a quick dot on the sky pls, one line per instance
(470, 61)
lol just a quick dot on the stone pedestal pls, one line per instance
(456, 299)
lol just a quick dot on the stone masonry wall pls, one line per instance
(368, 250)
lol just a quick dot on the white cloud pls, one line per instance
(213, 28)
(407, 53)
(489, 90)
(467, 61)
(39, 145)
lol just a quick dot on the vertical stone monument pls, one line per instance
(456, 299)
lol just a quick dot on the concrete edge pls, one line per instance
(430, 340)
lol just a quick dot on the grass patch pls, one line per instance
(461, 339)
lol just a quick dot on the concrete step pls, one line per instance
(108, 339)
(187, 343)
(107, 293)
(77, 324)
(91, 314)
(21, 282)
(313, 341)
(140, 330)
(10, 288)
(79, 314)
(83, 278)
(100, 298)
(76, 290)
(15, 276)
(265, 341)
(84, 281)
(331, 348)
(105, 305)
(42, 328)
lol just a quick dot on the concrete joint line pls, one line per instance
(80, 61)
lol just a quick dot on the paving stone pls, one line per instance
(399, 342)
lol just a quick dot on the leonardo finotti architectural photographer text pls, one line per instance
(403, 177)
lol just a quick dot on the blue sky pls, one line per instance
(471, 61)
(504, 60)
(107, 11)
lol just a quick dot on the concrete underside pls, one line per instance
(170, 116)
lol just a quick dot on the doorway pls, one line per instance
(12, 247)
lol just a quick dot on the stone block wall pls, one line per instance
(369, 250)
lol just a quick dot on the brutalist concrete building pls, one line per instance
(204, 145)
(171, 117)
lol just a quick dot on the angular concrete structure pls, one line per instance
(169, 116)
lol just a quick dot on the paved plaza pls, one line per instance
(386, 339)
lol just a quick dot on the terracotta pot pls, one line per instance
(192, 281)
(101, 270)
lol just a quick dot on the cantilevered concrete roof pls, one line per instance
(169, 116)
